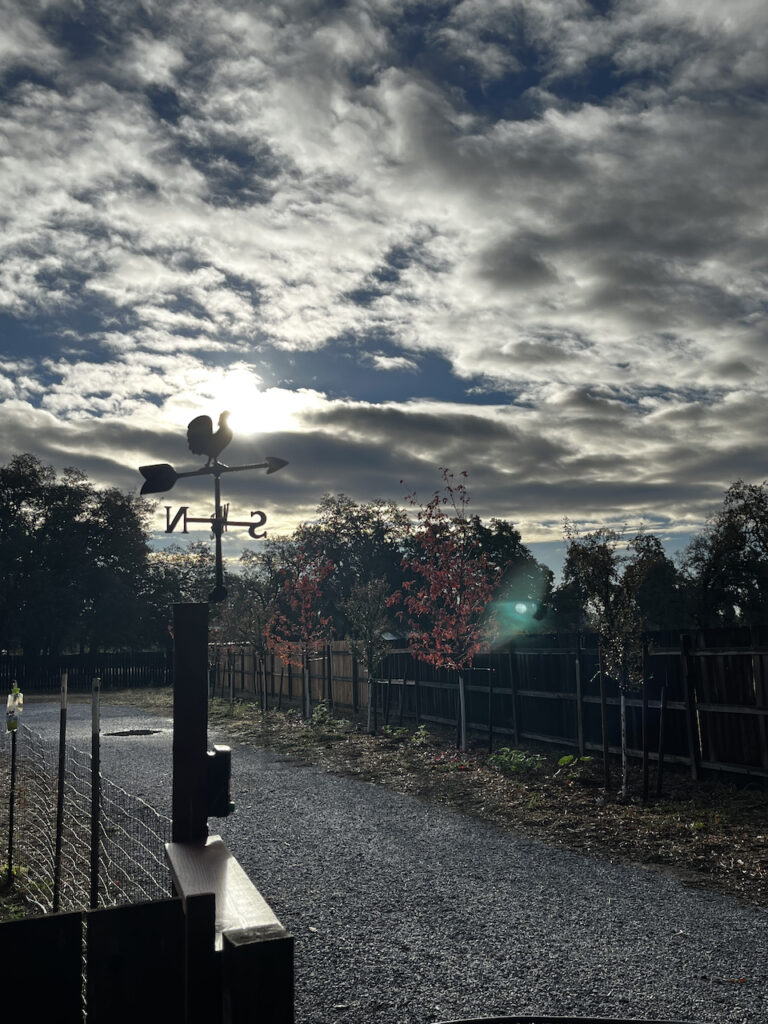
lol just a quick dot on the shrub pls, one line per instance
(515, 762)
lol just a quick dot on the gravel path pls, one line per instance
(407, 912)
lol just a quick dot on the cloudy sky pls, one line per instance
(524, 238)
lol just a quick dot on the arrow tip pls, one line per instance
(158, 478)
(274, 464)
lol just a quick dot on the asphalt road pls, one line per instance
(408, 912)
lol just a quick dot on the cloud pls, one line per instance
(563, 200)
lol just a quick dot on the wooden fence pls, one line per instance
(42, 674)
(704, 703)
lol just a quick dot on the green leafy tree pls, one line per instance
(74, 560)
(593, 570)
(524, 591)
(726, 565)
(361, 541)
(656, 583)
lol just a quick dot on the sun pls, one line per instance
(238, 389)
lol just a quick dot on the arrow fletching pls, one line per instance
(158, 478)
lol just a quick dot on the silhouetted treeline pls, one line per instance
(79, 574)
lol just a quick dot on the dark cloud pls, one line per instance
(514, 264)
(469, 233)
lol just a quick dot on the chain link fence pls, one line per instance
(52, 839)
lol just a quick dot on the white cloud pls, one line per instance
(600, 260)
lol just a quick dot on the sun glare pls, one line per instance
(253, 409)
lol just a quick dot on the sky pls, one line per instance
(525, 239)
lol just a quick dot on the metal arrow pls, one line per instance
(162, 476)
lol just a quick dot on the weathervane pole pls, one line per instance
(219, 591)
(203, 440)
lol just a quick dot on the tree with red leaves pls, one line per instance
(301, 630)
(450, 587)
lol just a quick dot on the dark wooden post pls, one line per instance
(645, 719)
(758, 681)
(662, 715)
(490, 710)
(330, 676)
(417, 688)
(579, 704)
(513, 694)
(603, 716)
(190, 718)
(688, 689)
(355, 680)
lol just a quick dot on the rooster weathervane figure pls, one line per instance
(204, 440)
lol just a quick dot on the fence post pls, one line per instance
(417, 688)
(95, 789)
(190, 723)
(11, 807)
(60, 794)
(645, 719)
(579, 720)
(491, 670)
(662, 715)
(355, 680)
(513, 694)
(330, 676)
(758, 683)
(688, 689)
(603, 716)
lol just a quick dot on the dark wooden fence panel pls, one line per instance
(42, 674)
(546, 689)
(136, 964)
(56, 993)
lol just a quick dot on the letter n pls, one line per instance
(171, 524)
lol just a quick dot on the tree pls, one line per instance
(302, 630)
(74, 560)
(525, 585)
(726, 565)
(656, 583)
(361, 540)
(450, 585)
(366, 610)
(592, 569)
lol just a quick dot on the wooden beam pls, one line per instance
(255, 950)
(198, 868)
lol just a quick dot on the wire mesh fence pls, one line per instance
(52, 839)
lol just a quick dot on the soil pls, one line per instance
(708, 834)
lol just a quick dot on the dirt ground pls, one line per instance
(708, 834)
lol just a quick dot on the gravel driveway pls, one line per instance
(407, 912)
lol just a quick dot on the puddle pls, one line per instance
(134, 732)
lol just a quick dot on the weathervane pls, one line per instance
(204, 440)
